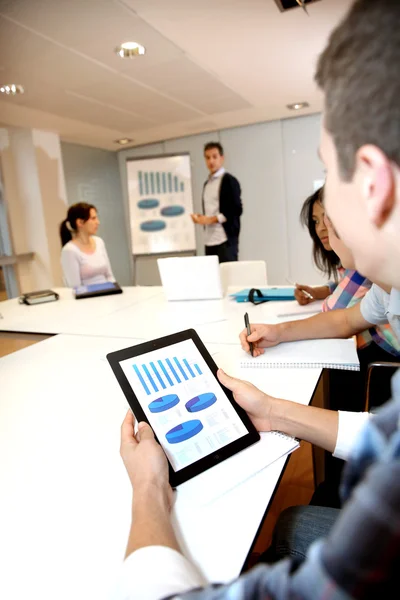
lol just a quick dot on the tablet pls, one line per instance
(97, 289)
(171, 384)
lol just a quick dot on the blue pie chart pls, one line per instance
(184, 431)
(153, 225)
(163, 403)
(147, 203)
(172, 211)
(200, 402)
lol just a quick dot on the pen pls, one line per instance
(307, 294)
(247, 323)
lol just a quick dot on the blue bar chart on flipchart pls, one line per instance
(155, 376)
(160, 204)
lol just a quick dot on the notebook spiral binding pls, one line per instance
(296, 365)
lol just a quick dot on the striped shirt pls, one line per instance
(351, 288)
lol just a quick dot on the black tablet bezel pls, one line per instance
(178, 477)
(108, 292)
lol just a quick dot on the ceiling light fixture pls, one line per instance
(297, 105)
(130, 50)
(11, 89)
(123, 141)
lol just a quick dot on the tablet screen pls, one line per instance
(95, 287)
(183, 402)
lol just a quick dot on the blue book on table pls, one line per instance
(268, 294)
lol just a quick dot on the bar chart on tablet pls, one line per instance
(158, 375)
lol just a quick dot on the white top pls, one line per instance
(175, 574)
(80, 268)
(378, 307)
(350, 424)
(215, 233)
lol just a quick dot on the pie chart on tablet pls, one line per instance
(184, 431)
(163, 403)
(200, 402)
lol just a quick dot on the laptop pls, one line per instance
(191, 277)
(97, 289)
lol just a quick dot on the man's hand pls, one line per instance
(257, 404)
(144, 458)
(203, 220)
(262, 336)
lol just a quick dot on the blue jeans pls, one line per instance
(297, 528)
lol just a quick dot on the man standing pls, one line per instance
(222, 207)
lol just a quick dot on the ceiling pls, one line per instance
(209, 64)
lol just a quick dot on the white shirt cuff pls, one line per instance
(221, 218)
(349, 426)
(155, 572)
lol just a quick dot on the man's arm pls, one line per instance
(342, 323)
(236, 196)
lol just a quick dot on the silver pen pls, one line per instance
(307, 294)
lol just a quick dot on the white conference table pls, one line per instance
(65, 499)
(142, 313)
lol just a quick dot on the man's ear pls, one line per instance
(377, 180)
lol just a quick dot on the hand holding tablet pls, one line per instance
(171, 384)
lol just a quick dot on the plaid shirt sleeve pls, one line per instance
(349, 291)
(360, 559)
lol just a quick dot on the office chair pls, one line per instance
(245, 273)
(369, 400)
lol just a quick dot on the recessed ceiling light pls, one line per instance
(11, 89)
(130, 50)
(123, 141)
(297, 105)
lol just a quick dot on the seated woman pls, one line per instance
(325, 259)
(84, 257)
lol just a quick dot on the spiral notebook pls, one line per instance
(221, 479)
(323, 354)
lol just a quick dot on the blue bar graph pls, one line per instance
(166, 373)
(153, 383)
(189, 368)
(153, 366)
(140, 175)
(178, 364)
(164, 370)
(142, 381)
(169, 363)
(156, 182)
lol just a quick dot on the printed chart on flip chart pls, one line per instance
(188, 410)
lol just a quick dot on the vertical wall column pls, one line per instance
(36, 201)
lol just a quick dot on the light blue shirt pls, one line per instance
(379, 307)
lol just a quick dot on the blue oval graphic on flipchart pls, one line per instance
(153, 225)
(148, 203)
(172, 211)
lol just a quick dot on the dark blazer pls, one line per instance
(230, 204)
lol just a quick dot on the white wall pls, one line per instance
(276, 164)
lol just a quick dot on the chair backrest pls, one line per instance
(246, 273)
(190, 277)
(373, 394)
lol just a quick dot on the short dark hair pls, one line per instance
(211, 145)
(81, 210)
(325, 260)
(359, 73)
